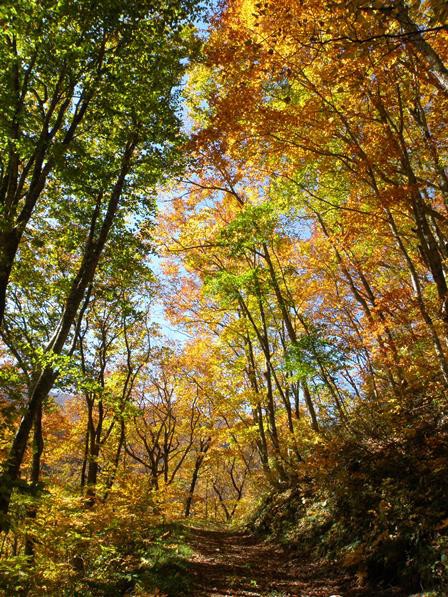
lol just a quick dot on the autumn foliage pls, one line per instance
(285, 364)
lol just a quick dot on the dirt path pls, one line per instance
(229, 564)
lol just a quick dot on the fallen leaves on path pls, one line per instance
(237, 564)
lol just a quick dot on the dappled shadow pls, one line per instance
(232, 564)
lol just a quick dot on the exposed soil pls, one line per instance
(231, 564)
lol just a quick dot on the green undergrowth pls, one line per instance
(155, 565)
(149, 563)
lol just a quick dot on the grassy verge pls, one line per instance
(150, 563)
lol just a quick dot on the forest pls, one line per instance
(224, 298)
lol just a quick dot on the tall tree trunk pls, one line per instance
(436, 66)
(9, 242)
(290, 330)
(203, 448)
(419, 297)
(38, 448)
(310, 406)
(121, 442)
(93, 250)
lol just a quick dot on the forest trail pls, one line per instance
(237, 564)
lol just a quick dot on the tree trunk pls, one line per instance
(310, 406)
(203, 448)
(93, 250)
(9, 242)
(436, 66)
(38, 448)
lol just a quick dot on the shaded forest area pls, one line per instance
(223, 297)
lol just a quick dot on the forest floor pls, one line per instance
(236, 564)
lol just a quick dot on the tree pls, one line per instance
(67, 69)
(126, 146)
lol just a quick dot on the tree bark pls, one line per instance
(38, 448)
(92, 253)
(203, 448)
(436, 66)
